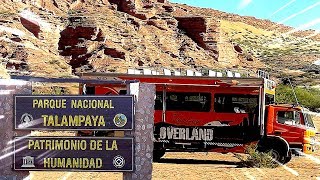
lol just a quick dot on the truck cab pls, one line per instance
(294, 124)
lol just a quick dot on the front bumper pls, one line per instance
(306, 149)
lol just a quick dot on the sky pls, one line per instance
(300, 14)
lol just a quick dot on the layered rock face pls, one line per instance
(73, 40)
(63, 37)
(110, 35)
(204, 31)
(142, 9)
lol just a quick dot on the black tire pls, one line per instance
(278, 148)
(277, 155)
(288, 158)
(158, 154)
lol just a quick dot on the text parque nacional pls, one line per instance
(74, 104)
(73, 120)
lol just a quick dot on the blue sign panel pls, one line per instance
(73, 153)
(73, 112)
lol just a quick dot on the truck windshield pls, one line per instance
(308, 120)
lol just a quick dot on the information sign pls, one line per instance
(73, 153)
(73, 112)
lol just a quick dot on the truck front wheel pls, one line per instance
(288, 158)
(277, 154)
(277, 146)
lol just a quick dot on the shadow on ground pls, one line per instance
(194, 161)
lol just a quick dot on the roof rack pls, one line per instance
(203, 72)
(263, 74)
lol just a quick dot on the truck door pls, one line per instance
(287, 124)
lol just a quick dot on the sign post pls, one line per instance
(143, 131)
(7, 89)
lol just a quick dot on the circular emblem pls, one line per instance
(118, 161)
(120, 120)
(26, 118)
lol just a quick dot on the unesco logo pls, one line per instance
(118, 161)
(120, 120)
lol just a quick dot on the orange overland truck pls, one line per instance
(217, 114)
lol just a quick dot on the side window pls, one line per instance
(158, 101)
(288, 117)
(269, 99)
(196, 102)
(90, 90)
(235, 103)
(122, 92)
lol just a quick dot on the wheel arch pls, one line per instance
(277, 142)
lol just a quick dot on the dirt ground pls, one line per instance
(203, 166)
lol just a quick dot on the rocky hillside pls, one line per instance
(62, 37)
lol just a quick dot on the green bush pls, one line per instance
(256, 159)
(307, 97)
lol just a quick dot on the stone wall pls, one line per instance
(7, 132)
(143, 134)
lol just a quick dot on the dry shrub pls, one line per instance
(256, 159)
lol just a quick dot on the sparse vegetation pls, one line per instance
(54, 61)
(56, 90)
(256, 159)
(276, 50)
(308, 97)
